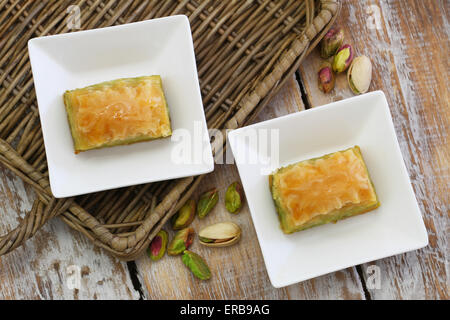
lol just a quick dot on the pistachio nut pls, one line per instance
(196, 264)
(181, 241)
(359, 74)
(234, 197)
(207, 202)
(343, 58)
(184, 216)
(326, 77)
(221, 234)
(158, 245)
(331, 42)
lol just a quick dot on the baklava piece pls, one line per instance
(117, 112)
(322, 190)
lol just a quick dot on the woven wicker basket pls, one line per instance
(245, 51)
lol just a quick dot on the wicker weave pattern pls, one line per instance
(245, 51)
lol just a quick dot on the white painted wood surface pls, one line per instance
(46, 266)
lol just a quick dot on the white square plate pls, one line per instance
(395, 227)
(154, 47)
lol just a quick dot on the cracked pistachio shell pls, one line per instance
(234, 197)
(184, 217)
(158, 245)
(181, 241)
(196, 264)
(326, 77)
(207, 202)
(220, 234)
(343, 58)
(331, 42)
(359, 74)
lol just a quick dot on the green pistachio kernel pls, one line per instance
(181, 241)
(234, 197)
(158, 245)
(196, 264)
(343, 58)
(184, 217)
(207, 202)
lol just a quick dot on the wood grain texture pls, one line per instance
(239, 271)
(39, 269)
(410, 64)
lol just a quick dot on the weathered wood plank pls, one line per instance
(41, 269)
(409, 54)
(239, 271)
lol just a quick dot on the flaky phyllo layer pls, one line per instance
(322, 190)
(117, 112)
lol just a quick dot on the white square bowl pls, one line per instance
(395, 227)
(154, 47)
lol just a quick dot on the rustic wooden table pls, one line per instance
(408, 44)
